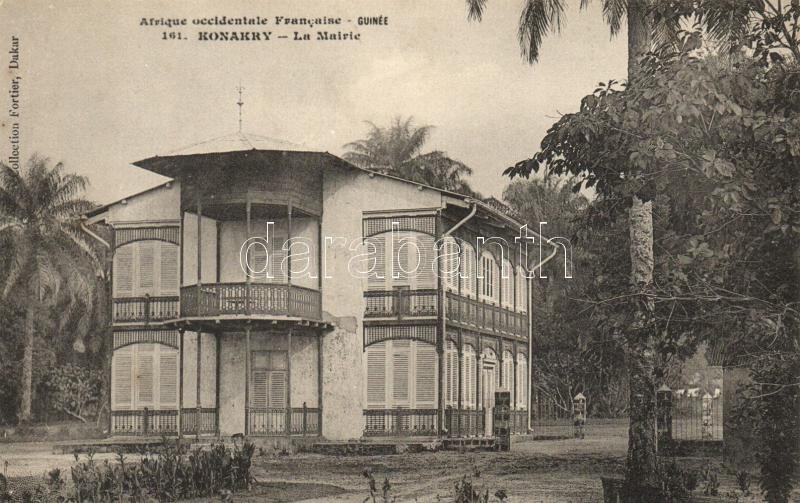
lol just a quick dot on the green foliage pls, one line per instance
(397, 150)
(169, 474)
(73, 389)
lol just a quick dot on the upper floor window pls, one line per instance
(489, 278)
(146, 268)
(400, 259)
(507, 280)
(522, 290)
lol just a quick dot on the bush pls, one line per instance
(171, 473)
(74, 390)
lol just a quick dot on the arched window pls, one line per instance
(522, 290)
(144, 375)
(468, 270)
(146, 268)
(489, 280)
(507, 280)
(468, 385)
(522, 382)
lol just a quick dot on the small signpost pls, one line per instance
(579, 415)
(501, 420)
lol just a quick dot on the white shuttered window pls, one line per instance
(146, 267)
(401, 374)
(144, 375)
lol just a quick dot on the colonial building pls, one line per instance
(273, 290)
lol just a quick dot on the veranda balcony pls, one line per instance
(253, 299)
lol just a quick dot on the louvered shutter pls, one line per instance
(468, 273)
(122, 384)
(400, 259)
(168, 273)
(468, 377)
(522, 290)
(277, 388)
(450, 373)
(258, 388)
(376, 375)
(144, 375)
(168, 377)
(146, 266)
(507, 280)
(425, 275)
(377, 276)
(123, 270)
(450, 264)
(400, 373)
(425, 375)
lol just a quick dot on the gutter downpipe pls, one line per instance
(443, 319)
(91, 233)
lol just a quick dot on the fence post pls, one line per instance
(146, 420)
(579, 415)
(663, 416)
(305, 417)
(708, 417)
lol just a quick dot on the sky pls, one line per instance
(99, 91)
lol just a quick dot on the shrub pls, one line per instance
(172, 472)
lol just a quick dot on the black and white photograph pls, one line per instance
(379, 251)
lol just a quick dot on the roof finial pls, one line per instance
(240, 103)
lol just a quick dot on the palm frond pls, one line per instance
(475, 9)
(538, 18)
(614, 13)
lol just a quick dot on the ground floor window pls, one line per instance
(268, 379)
(521, 400)
(401, 374)
(144, 375)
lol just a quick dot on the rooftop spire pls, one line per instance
(240, 103)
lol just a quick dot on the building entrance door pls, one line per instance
(268, 392)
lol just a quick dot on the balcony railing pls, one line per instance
(465, 422)
(481, 314)
(144, 422)
(216, 299)
(271, 421)
(198, 421)
(400, 422)
(396, 303)
(145, 309)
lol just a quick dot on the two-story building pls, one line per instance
(270, 289)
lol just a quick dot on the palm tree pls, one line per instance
(649, 22)
(397, 150)
(39, 211)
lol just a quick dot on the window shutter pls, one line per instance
(522, 291)
(425, 385)
(123, 270)
(258, 388)
(257, 255)
(277, 388)
(144, 375)
(449, 263)
(168, 377)
(122, 376)
(468, 274)
(468, 377)
(400, 350)
(377, 276)
(169, 269)
(400, 259)
(147, 252)
(507, 280)
(376, 375)
(425, 276)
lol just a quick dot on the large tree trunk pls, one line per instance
(642, 462)
(642, 468)
(27, 367)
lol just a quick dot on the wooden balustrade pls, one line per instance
(400, 422)
(275, 299)
(271, 421)
(145, 309)
(484, 315)
(465, 422)
(200, 421)
(395, 303)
